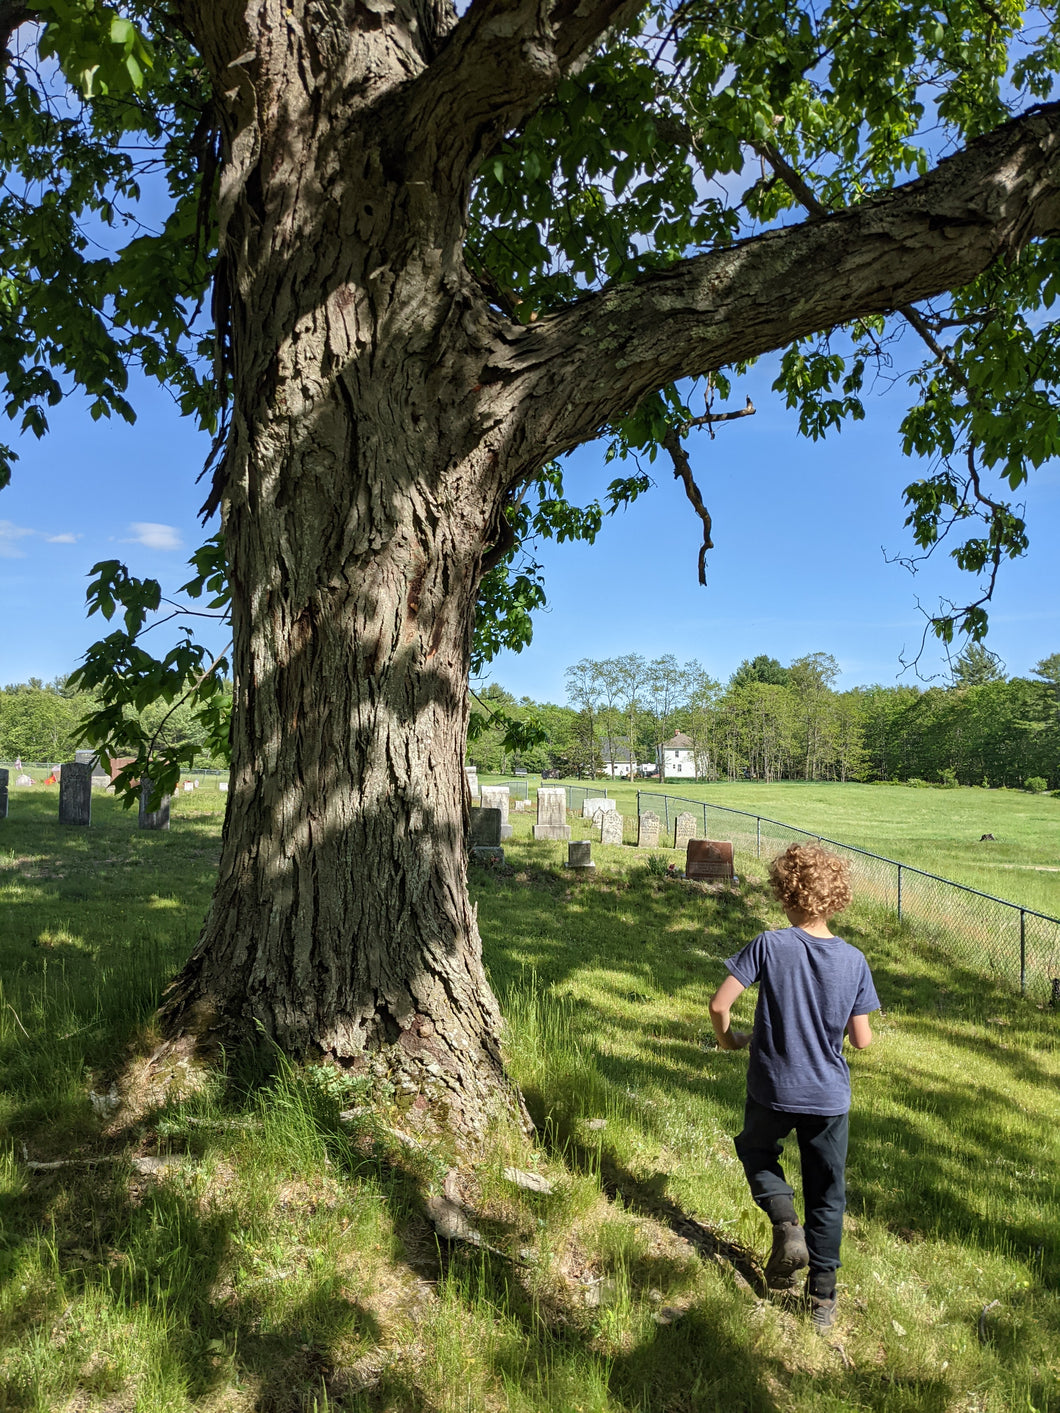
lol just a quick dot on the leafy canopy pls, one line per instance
(704, 122)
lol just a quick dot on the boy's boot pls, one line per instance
(820, 1288)
(789, 1254)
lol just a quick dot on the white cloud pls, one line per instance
(156, 537)
(10, 534)
(66, 539)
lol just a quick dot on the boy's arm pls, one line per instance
(859, 1032)
(721, 1004)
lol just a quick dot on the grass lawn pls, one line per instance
(939, 831)
(233, 1245)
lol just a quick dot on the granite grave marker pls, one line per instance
(75, 794)
(709, 859)
(552, 814)
(149, 818)
(496, 797)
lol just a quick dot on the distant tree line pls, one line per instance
(41, 722)
(775, 722)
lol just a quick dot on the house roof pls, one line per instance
(678, 742)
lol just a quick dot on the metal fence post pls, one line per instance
(899, 892)
(1023, 952)
(758, 836)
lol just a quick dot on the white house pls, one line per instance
(620, 769)
(677, 758)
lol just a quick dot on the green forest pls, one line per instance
(775, 722)
(41, 722)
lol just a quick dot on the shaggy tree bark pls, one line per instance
(382, 412)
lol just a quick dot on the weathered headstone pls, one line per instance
(648, 830)
(485, 827)
(709, 859)
(4, 777)
(471, 772)
(118, 763)
(99, 775)
(75, 794)
(610, 827)
(222, 785)
(684, 829)
(24, 780)
(149, 818)
(552, 814)
(496, 797)
(580, 854)
(592, 808)
(485, 834)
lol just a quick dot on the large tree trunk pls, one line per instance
(358, 496)
(341, 924)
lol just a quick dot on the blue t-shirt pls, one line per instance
(808, 988)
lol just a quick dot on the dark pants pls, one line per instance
(823, 1150)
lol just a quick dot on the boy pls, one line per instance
(813, 989)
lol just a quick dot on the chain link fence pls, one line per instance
(578, 794)
(1013, 944)
(517, 789)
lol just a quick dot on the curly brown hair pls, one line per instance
(810, 880)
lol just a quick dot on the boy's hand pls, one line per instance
(730, 1039)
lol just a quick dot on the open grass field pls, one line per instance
(227, 1242)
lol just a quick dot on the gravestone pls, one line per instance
(648, 830)
(152, 819)
(684, 829)
(552, 814)
(709, 859)
(118, 763)
(75, 794)
(485, 834)
(4, 777)
(471, 773)
(592, 808)
(610, 827)
(496, 797)
(88, 758)
(222, 785)
(580, 854)
(24, 780)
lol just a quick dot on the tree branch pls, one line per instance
(592, 362)
(793, 180)
(12, 14)
(683, 472)
(710, 418)
(500, 61)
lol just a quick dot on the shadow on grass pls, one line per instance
(642, 939)
(920, 1166)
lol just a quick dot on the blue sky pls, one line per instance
(801, 531)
